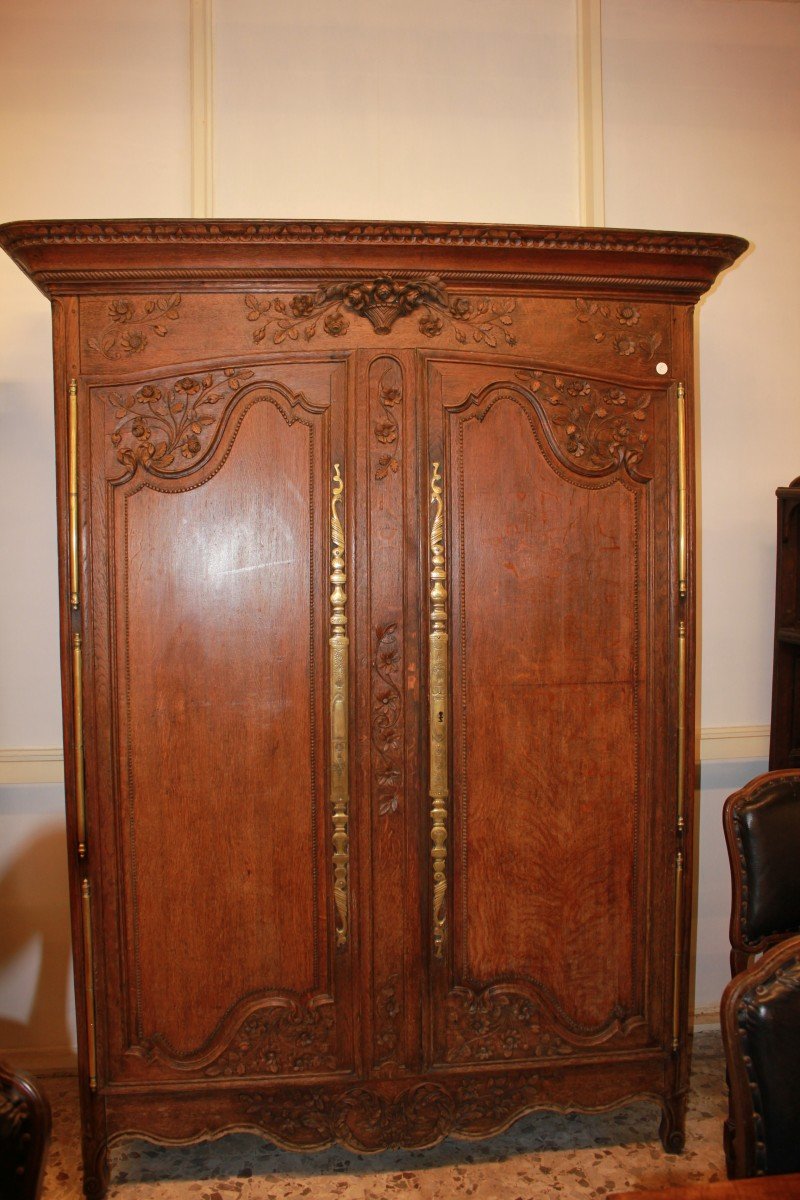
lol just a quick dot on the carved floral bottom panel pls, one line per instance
(546, 1154)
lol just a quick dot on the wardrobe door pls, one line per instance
(217, 745)
(550, 883)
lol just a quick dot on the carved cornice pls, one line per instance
(19, 234)
(86, 255)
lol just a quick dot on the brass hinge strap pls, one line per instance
(339, 704)
(88, 981)
(676, 977)
(681, 767)
(74, 526)
(683, 591)
(682, 529)
(438, 715)
(78, 749)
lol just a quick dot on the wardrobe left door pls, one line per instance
(215, 505)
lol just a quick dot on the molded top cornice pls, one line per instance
(72, 256)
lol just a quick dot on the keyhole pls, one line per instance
(440, 715)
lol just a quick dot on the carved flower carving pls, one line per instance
(602, 318)
(387, 431)
(130, 322)
(302, 305)
(156, 424)
(336, 324)
(603, 426)
(498, 1025)
(382, 301)
(278, 1040)
(386, 712)
(624, 345)
(431, 325)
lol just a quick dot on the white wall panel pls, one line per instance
(454, 110)
(702, 131)
(94, 122)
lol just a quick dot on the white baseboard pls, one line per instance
(31, 764)
(726, 742)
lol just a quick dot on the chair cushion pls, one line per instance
(769, 1023)
(768, 832)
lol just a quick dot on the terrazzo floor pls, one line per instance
(542, 1155)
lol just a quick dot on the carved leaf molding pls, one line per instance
(603, 427)
(374, 1118)
(131, 322)
(501, 1023)
(387, 428)
(285, 1038)
(382, 300)
(387, 707)
(158, 422)
(359, 1117)
(496, 1025)
(619, 322)
(280, 1040)
(388, 1013)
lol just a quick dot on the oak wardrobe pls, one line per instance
(377, 641)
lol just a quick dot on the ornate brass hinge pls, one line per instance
(438, 714)
(339, 701)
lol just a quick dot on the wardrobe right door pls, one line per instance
(552, 882)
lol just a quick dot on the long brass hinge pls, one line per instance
(77, 729)
(88, 981)
(683, 592)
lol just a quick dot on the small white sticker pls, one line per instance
(661, 368)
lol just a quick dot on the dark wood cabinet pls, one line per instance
(378, 644)
(784, 738)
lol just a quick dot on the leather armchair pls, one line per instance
(762, 832)
(761, 1032)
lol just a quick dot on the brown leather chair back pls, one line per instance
(761, 1032)
(762, 832)
(24, 1135)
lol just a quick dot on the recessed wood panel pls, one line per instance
(548, 611)
(219, 689)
